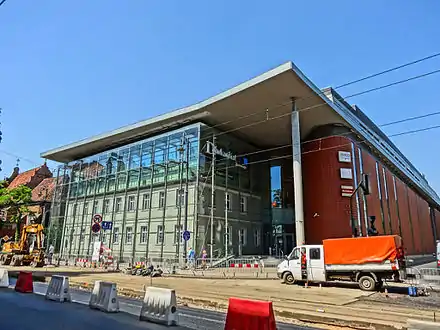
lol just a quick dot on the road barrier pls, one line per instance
(160, 306)
(58, 289)
(104, 297)
(4, 278)
(254, 265)
(422, 325)
(24, 283)
(250, 314)
(429, 277)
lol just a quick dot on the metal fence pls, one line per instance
(428, 277)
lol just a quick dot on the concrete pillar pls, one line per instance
(297, 176)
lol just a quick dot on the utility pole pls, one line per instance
(226, 212)
(211, 249)
(185, 224)
(179, 200)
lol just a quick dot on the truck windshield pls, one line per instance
(294, 255)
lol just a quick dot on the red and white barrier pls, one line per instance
(243, 266)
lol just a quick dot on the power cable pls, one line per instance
(2, 2)
(321, 93)
(387, 71)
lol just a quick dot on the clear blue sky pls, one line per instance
(72, 69)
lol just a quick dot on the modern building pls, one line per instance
(257, 169)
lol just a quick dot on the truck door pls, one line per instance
(315, 264)
(295, 263)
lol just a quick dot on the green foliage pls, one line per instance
(16, 200)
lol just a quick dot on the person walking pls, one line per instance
(50, 256)
(204, 257)
(191, 257)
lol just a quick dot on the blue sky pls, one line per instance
(72, 69)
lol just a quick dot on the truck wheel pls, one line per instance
(367, 283)
(288, 278)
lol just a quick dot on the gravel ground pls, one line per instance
(432, 301)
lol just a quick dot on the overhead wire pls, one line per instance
(322, 93)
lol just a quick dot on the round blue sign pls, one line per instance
(186, 235)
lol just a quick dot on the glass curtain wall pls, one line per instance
(145, 190)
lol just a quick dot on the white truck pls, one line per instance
(438, 254)
(365, 260)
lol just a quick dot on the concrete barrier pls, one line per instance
(4, 278)
(58, 289)
(160, 306)
(104, 297)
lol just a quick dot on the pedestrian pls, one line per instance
(50, 256)
(191, 257)
(204, 257)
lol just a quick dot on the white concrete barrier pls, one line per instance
(4, 278)
(58, 289)
(104, 297)
(160, 306)
(422, 325)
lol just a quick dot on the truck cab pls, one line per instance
(438, 254)
(304, 263)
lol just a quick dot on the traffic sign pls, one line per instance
(97, 218)
(96, 227)
(106, 225)
(186, 235)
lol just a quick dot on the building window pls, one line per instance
(95, 207)
(75, 207)
(161, 199)
(315, 254)
(118, 206)
(229, 235)
(243, 204)
(159, 234)
(116, 235)
(106, 206)
(242, 237)
(82, 235)
(146, 202)
(178, 231)
(144, 234)
(128, 235)
(86, 208)
(257, 237)
(131, 203)
(228, 201)
(180, 197)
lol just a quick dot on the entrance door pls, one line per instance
(284, 244)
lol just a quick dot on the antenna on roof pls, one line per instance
(18, 162)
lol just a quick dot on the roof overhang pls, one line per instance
(257, 111)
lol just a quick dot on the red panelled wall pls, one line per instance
(373, 200)
(405, 219)
(327, 211)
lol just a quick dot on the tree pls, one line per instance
(16, 200)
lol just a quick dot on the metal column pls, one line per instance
(297, 176)
(211, 248)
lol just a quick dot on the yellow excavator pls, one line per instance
(28, 251)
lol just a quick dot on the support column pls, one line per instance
(297, 176)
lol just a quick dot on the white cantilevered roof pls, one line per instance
(257, 111)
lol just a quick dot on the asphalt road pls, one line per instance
(33, 312)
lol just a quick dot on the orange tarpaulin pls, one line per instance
(360, 250)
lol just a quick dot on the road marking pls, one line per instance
(200, 318)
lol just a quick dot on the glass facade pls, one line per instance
(152, 190)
